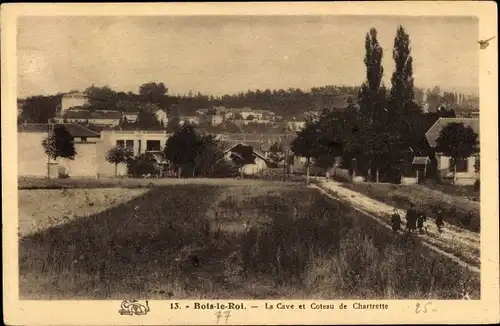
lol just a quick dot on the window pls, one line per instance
(120, 143)
(83, 139)
(461, 165)
(153, 145)
(129, 144)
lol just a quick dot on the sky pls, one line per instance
(228, 54)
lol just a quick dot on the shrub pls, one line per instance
(141, 165)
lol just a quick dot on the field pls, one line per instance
(224, 239)
(426, 199)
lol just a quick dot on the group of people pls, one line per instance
(415, 219)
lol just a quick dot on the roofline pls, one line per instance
(448, 119)
(96, 133)
(253, 150)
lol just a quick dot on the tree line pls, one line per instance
(388, 129)
(286, 103)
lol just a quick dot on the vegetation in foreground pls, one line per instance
(271, 240)
(456, 209)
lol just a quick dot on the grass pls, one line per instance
(263, 240)
(455, 208)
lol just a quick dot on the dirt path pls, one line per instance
(460, 245)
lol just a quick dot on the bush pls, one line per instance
(141, 165)
(224, 169)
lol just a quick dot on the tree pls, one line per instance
(372, 102)
(371, 97)
(153, 92)
(39, 109)
(305, 144)
(210, 153)
(242, 155)
(183, 147)
(403, 111)
(119, 155)
(101, 98)
(276, 152)
(147, 119)
(457, 142)
(402, 92)
(59, 144)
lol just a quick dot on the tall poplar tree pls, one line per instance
(372, 102)
(404, 112)
(402, 92)
(371, 96)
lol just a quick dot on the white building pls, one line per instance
(33, 162)
(259, 165)
(130, 117)
(465, 171)
(71, 100)
(162, 117)
(139, 141)
(296, 125)
(217, 119)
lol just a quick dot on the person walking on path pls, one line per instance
(411, 218)
(420, 222)
(395, 221)
(439, 220)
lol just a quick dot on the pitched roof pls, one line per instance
(259, 141)
(85, 114)
(74, 129)
(257, 153)
(433, 133)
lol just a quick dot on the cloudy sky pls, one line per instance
(221, 55)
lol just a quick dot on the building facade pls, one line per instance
(466, 173)
(32, 161)
(71, 100)
(138, 141)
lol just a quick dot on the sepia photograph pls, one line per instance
(249, 157)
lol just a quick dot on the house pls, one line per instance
(296, 125)
(98, 117)
(162, 117)
(194, 120)
(258, 165)
(201, 111)
(217, 119)
(139, 141)
(465, 171)
(73, 99)
(130, 117)
(33, 161)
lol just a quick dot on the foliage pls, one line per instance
(100, 98)
(39, 109)
(193, 153)
(119, 155)
(242, 155)
(371, 96)
(59, 144)
(147, 119)
(457, 141)
(276, 152)
(141, 165)
(209, 153)
(153, 92)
